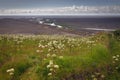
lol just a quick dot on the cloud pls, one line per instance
(71, 10)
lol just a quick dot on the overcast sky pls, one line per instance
(55, 7)
(28, 4)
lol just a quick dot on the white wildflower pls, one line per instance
(114, 57)
(10, 70)
(49, 74)
(43, 46)
(116, 67)
(102, 76)
(39, 45)
(56, 66)
(11, 73)
(54, 55)
(118, 55)
(37, 51)
(48, 55)
(51, 69)
(48, 66)
(49, 50)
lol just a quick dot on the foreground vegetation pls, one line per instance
(53, 57)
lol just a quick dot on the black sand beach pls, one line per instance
(70, 25)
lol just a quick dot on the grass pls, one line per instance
(75, 58)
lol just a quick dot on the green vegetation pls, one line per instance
(117, 34)
(55, 57)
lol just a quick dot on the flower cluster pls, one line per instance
(50, 46)
(10, 71)
(52, 67)
(97, 76)
(116, 60)
(52, 56)
(55, 45)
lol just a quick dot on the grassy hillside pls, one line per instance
(53, 57)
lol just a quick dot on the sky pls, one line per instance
(59, 7)
(29, 4)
